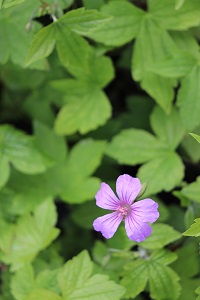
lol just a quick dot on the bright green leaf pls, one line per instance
(86, 108)
(188, 99)
(9, 3)
(168, 128)
(175, 19)
(42, 45)
(43, 294)
(194, 229)
(76, 282)
(23, 282)
(135, 278)
(123, 27)
(33, 234)
(84, 21)
(162, 173)
(179, 3)
(134, 146)
(195, 136)
(4, 170)
(162, 235)
(47, 279)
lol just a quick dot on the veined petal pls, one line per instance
(127, 188)
(105, 198)
(145, 211)
(136, 231)
(108, 224)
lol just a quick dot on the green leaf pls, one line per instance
(162, 281)
(164, 257)
(42, 45)
(162, 235)
(188, 99)
(12, 28)
(33, 234)
(9, 3)
(83, 21)
(4, 170)
(192, 190)
(135, 277)
(23, 282)
(43, 294)
(195, 136)
(86, 108)
(175, 19)
(176, 66)
(21, 150)
(162, 173)
(56, 149)
(47, 279)
(191, 147)
(160, 46)
(134, 146)
(168, 128)
(76, 282)
(194, 229)
(122, 28)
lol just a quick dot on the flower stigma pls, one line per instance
(123, 211)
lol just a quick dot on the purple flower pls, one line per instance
(136, 215)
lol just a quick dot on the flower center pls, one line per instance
(123, 211)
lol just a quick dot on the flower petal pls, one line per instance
(105, 198)
(145, 211)
(108, 224)
(136, 231)
(127, 188)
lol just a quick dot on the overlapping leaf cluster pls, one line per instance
(91, 90)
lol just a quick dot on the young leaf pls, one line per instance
(76, 281)
(194, 229)
(122, 28)
(33, 234)
(188, 99)
(43, 294)
(42, 45)
(192, 191)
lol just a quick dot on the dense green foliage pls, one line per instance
(90, 90)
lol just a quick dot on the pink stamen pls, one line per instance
(123, 211)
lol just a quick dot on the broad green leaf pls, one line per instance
(162, 281)
(52, 145)
(135, 146)
(175, 19)
(23, 282)
(188, 99)
(76, 282)
(176, 66)
(135, 277)
(122, 28)
(33, 234)
(191, 147)
(186, 43)
(162, 235)
(20, 149)
(164, 257)
(13, 21)
(162, 173)
(192, 191)
(195, 136)
(89, 4)
(42, 44)
(43, 294)
(4, 170)
(188, 288)
(86, 107)
(194, 229)
(47, 279)
(160, 46)
(168, 128)
(84, 21)
(83, 114)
